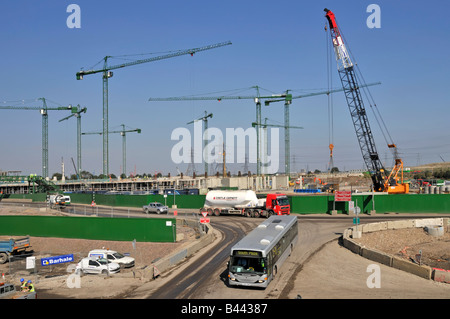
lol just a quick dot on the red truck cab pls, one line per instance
(278, 203)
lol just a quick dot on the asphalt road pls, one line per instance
(205, 277)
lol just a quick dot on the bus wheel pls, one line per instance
(216, 212)
(275, 269)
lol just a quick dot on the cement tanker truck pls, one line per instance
(246, 203)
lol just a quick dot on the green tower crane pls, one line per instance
(76, 111)
(44, 112)
(124, 142)
(286, 142)
(286, 97)
(106, 71)
(205, 138)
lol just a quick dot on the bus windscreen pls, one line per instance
(248, 262)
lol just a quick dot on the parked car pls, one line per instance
(155, 208)
(92, 265)
(113, 256)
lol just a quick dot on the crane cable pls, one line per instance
(369, 97)
(330, 99)
(373, 106)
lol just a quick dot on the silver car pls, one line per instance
(155, 208)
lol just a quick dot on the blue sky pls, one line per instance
(277, 45)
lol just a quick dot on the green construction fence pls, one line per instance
(381, 203)
(121, 229)
(300, 204)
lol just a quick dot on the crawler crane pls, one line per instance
(382, 181)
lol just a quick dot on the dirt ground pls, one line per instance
(409, 243)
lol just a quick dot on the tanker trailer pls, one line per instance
(245, 202)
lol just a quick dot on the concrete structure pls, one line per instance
(159, 185)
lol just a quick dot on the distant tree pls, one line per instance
(57, 175)
(334, 170)
(86, 175)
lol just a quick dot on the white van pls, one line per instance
(113, 256)
(92, 265)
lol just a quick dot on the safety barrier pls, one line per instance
(392, 261)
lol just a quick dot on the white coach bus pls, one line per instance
(255, 259)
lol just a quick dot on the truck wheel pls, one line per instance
(3, 258)
(271, 213)
(210, 211)
(248, 213)
(158, 211)
(256, 213)
(146, 211)
(216, 212)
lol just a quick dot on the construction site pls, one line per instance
(94, 187)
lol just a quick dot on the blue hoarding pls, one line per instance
(57, 260)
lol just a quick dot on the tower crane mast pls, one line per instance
(205, 137)
(77, 111)
(381, 182)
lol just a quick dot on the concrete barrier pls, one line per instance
(377, 256)
(441, 275)
(167, 262)
(373, 227)
(392, 261)
(428, 221)
(400, 224)
(406, 265)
